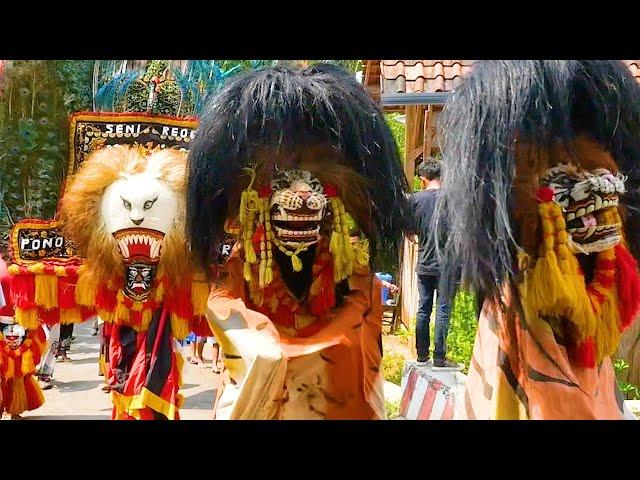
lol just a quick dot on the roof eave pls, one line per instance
(418, 98)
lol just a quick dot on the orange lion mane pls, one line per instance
(82, 218)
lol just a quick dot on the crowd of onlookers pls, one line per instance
(197, 348)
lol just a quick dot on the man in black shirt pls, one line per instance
(423, 204)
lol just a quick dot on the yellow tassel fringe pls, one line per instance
(179, 327)
(86, 288)
(554, 286)
(27, 318)
(27, 365)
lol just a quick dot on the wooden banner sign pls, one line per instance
(40, 241)
(92, 130)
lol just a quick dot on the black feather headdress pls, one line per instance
(283, 110)
(542, 103)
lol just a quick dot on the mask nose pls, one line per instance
(138, 221)
(304, 195)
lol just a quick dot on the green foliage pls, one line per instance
(166, 100)
(462, 328)
(630, 391)
(405, 333)
(398, 131)
(392, 367)
(155, 68)
(136, 97)
(383, 261)
(349, 65)
(393, 409)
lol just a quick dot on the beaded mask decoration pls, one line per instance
(578, 211)
(589, 201)
(289, 214)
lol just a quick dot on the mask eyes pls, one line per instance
(149, 203)
(126, 203)
(316, 186)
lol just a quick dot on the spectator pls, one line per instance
(197, 347)
(66, 336)
(423, 204)
(392, 288)
(215, 355)
(96, 327)
(48, 362)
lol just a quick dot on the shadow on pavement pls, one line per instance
(84, 348)
(68, 417)
(200, 401)
(79, 361)
(77, 385)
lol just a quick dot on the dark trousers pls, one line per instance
(66, 332)
(427, 286)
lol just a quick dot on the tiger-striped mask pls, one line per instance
(589, 201)
(297, 207)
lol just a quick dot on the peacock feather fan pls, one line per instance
(35, 99)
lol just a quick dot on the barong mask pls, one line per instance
(291, 160)
(124, 210)
(295, 159)
(291, 211)
(138, 211)
(317, 147)
(549, 206)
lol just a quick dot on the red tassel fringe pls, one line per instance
(23, 291)
(106, 299)
(67, 292)
(628, 286)
(583, 354)
(178, 300)
(200, 327)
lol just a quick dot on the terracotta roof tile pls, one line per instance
(409, 76)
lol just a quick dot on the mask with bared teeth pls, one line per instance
(138, 210)
(297, 206)
(589, 200)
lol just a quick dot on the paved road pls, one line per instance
(77, 393)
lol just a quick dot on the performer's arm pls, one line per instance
(253, 357)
